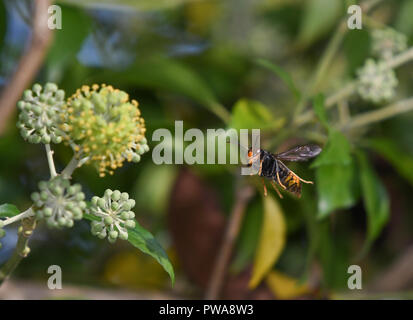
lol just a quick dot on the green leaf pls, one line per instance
(336, 151)
(142, 239)
(359, 39)
(335, 188)
(334, 175)
(166, 74)
(272, 240)
(333, 255)
(375, 198)
(319, 110)
(404, 21)
(284, 76)
(399, 159)
(146, 242)
(8, 210)
(319, 18)
(248, 114)
(68, 40)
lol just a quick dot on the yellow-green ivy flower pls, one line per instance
(103, 125)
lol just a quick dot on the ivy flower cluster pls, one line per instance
(115, 217)
(387, 42)
(58, 202)
(102, 124)
(39, 114)
(104, 128)
(376, 82)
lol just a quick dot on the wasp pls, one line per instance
(272, 167)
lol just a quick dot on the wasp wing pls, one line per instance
(301, 153)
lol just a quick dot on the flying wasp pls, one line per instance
(272, 167)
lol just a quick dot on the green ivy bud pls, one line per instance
(130, 224)
(113, 210)
(113, 234)
(59, 203)
(40, 114)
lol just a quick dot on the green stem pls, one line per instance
(21, 251)
(379, 115)
(71, 166)
(322, 67)
(25, 214)
(29, 221)
(50, 161)
(220, 112)
(351, 87)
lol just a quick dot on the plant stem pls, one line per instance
(379, 115)
(25, 214)
(50, 161)
(21, 251)
(242, 198)
(220, 112)
(351, 87)
(29, 221)
(322, 67)
(71, 166)
(401, 59)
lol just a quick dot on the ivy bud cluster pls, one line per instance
(115, 215)
(58, 202)
(39, 114)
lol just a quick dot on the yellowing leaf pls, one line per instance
(285, 287)
(271, 243)
(134, 270)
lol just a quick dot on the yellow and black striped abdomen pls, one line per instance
(289, 179)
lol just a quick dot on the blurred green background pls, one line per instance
(222, 64)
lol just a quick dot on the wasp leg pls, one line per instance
(278, 177)
(259, 171)
(276, 189)
(265, 187)
(305, 181)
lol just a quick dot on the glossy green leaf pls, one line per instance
(335, 188)
(142, 239)
(284, 76)
(248, 114)
(319, 18)
(375, 198)
(333, 255)
(402, 162)
(336, 151)
(334, 175)
(146, 242)
(8, 210)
